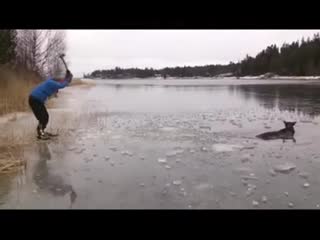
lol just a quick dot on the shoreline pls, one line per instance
(212, 78)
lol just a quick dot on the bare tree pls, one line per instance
(55, 46)
(38, 50)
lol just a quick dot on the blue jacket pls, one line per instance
(48, 88)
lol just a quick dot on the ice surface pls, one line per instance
(264, 199)
(226, 147)
(162, 160)
(177, 182)
(255, 203)
(284, 168)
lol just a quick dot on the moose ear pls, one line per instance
(284, 122)
(294, 123)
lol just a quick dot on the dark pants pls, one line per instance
(40, 112)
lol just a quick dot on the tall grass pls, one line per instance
(81, 82)
(15, 87)
(11, 159)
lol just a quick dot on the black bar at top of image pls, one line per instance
(163, 15)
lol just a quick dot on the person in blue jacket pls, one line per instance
(39, 96)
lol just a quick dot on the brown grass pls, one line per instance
(80, 82)
(15, 87)
(76, 81)
(10, 159)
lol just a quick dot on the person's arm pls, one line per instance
(58, 85)
(66, 82)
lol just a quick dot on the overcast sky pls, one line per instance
(89, 50)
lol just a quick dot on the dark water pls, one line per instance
(206, 96)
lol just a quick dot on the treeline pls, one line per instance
(186, 71)
(33, 50)
(300, 58)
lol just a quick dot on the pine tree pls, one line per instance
(7, 46)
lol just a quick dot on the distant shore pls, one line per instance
(276, 77)
(262, 77)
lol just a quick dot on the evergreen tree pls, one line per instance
(7, 46)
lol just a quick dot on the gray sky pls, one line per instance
(89, 50)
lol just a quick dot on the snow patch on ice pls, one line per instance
(226, 147)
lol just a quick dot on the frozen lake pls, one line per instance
(185, 144)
